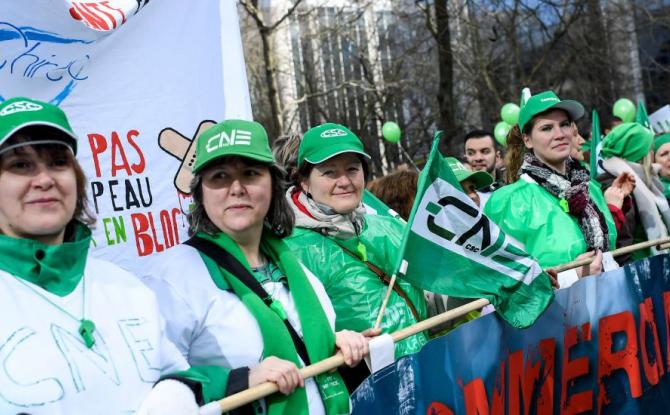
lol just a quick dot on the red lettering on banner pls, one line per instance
(572, 369)
(545, 401)
(118, 148)
(652, 370)
(522, 380)
(438, 408)
(137, 167)
(147, 240)
(98, 146)
(625, 358)
(476, 402)
(119, 156)
(666, 314)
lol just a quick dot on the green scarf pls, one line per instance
(55, 268)
(317, 335)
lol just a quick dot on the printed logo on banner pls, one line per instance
(51, 61)
(105, 15)
(454, 223)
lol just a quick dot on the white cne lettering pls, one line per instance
(237, 137)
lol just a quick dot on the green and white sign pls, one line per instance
(451, 248)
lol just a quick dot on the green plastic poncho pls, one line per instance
(355, 291)
(533, 216)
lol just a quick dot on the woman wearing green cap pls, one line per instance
(77, 334)
(552, 207)
(625, 150)
(353, 253)
(662, 158)
(234, 295)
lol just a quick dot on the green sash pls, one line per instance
(316, 333)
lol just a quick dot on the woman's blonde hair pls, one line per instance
(514, 154)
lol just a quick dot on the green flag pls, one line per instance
(595, 141)
(450, 247)
(641, 116)
(374, 206)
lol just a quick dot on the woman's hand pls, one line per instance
(614, 196)
(282, 372)
(353, 345)
(553, 278)
(594, 267)
(626, 182)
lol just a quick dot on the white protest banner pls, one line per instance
(138, 80)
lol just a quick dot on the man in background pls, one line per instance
(482, 154)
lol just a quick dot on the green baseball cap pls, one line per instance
(545, 101)
(328, 140)
(20, 112)
(661, 139)
(232, 138)
(481, 179)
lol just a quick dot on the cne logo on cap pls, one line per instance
(549, 99)
(333, 132)
(236, 137)
(20, 106)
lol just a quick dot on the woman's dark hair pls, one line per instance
(82, 212)
(516, 148)
(279, 219)
(303, 171)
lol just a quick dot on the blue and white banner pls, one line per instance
(602, 346)
(138, 80)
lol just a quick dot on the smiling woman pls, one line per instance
(352, 253)
(553, 208)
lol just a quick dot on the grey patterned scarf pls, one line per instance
(572, 190)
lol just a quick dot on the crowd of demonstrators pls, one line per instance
(352, 253)
(249, 304)
(281, 270)
(552, 207)
(60, 305)
(626, 151)
(482, 154)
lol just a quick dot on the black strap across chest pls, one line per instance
(228, 262)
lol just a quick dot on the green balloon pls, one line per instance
(510, 113)
(500, 132)
(624, 109)
(391, 132)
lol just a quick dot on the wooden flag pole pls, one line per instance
(258, 392)
(660, 243)
(382, 309)
(268, 388)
